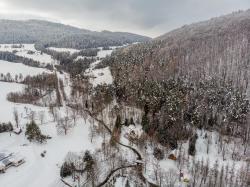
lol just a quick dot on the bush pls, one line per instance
(66, 169)
(158, 153)
(6, 127)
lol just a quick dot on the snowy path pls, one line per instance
(139, 166)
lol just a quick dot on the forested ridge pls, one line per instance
(58, 35)
(195, 76)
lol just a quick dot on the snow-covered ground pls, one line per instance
(83, 57)
(44, 171)
(103, 53)
(26, 49)
(8, 67)
(38, 171)
(100, 76)
(71, 51)
(103, 75)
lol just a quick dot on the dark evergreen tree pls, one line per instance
(127, 184)
(86, 104)
(118, 123)
(145, 123)
(126, 123)
(132, 121)
(89, 165)
(66, 170)
(192, 142)
(33, 133)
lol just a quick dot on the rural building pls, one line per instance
(8, 159)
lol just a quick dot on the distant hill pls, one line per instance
(59, 35)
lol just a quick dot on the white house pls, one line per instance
(17, 160)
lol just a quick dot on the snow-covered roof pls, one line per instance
(4, 154)
(16, 158)
(6, 161)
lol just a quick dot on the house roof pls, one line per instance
(6, 161)
(4, 155)
(16, 158)
(2, 165)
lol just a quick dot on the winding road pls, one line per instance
(139, 157)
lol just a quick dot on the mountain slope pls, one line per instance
(59, 35)
(196, 76)
(218, 47)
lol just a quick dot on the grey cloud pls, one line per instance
(143, 16)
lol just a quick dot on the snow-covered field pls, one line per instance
(8, 67)
(38, 171)
(103, 75)
(103, 53)
(100, 76)
(71, 51)
(26, 49)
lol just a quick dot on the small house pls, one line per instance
(4, 155)
(17, 160)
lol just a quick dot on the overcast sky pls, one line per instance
(147, 17)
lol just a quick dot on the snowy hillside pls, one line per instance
(59, 35)
(7, 67)
(88, 109)
(28, 51)
(103, 75)
(57, 147)
(76, 141)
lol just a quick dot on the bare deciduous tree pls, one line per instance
(41, 117)
(16, 117)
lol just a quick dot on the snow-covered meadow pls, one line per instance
(17, 68)
(28, 51)
(37, 171)
(69, 50)
(100, 76)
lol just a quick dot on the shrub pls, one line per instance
(66, 169)
(158, 153)
(6, 127)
